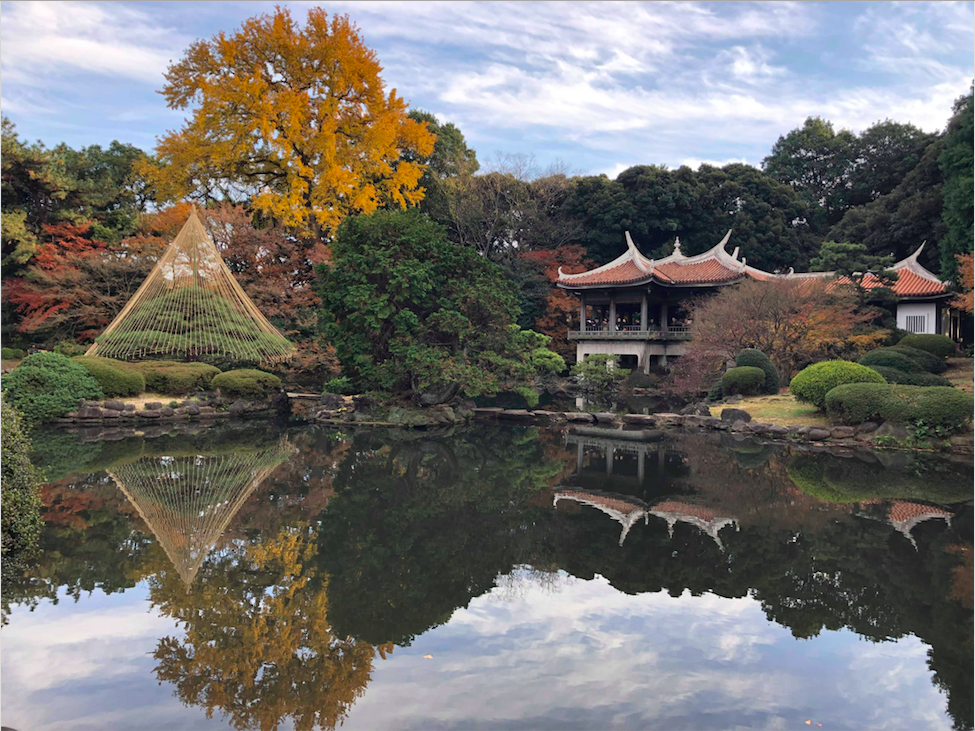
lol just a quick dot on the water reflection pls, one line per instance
(293, 563)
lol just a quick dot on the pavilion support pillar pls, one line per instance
(663, 316)
(644, 322)
(609, 460)
(580, 453)
(612, 311)
(641, 464)
(582, 312)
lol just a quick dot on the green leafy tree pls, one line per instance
(854, 263)
(21, 500)
(815, 160)
(451, 158)
(956, 162)
(409, 312)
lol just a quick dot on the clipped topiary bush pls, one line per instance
(69, 348)
(758, 359)
(173, 378)
(938, 345)
(927, 361)
(911, 379)
(716, 393)
(247, 382)
(341, 385)
(890, 358)
(812, 383)
(935, 406)
(115, 377)
(11, 353)
(855, 403)
(48, 385)
(746, 380)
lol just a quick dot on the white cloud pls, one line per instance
(42, 39)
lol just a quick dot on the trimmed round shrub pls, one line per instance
(247, 382)
(757, 359)
(927, 361)
(890, 358)
(947, 407)
(48, 385)
(939, 345)
(813, 382)
(911, 379)
(11, 353)
(174, 378)
(715, 393)
(746, 380)
(70, 348)
(935, 406)
(113, 376)
(855, 403)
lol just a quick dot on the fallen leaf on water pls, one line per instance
(428, 657)
(809, 722)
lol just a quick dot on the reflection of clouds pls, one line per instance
(590, 655)
(88, 665)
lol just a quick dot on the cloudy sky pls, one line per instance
(599, 87)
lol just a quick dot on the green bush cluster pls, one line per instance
(935, 406)
(69, 348)
(20, 502)
(757, 359)
(911, 379)
(173, 378)
(927, 361)
(11, 353)
(115, 377)
(247, 382)
(341, 385)
(812, 383)
(716, 393)
(48, 385)
(890, 358)
(939, 345)
(746, 380)
(595, 373)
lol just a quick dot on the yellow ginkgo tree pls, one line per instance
(294, 118)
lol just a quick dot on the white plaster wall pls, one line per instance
(929, 310)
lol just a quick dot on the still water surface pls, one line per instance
(495, 578)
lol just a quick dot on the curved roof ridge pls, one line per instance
(631, 254)
(911, 263)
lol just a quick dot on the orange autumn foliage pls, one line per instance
(966, 267)
(561, 308)
(297, 119)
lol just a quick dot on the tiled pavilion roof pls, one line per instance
(716, 267)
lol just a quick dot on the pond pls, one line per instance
(495, 577)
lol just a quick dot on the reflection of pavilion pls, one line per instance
(627, 511)
(905, 515)
(189, 500)
(615, 447)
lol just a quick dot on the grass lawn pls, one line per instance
(961, 372)
(782, 409)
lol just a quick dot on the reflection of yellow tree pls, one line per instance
(258, 645)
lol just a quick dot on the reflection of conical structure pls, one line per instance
(190, 306)
(624, 510)
(188, 501)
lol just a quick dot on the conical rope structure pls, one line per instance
(190, 307)
(188, 501)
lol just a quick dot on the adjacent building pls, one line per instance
(640, 308)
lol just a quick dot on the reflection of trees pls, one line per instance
(419, 527)
(258, 645)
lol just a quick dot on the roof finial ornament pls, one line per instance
(677, 245)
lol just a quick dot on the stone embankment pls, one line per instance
(200, 407)
(650, 427)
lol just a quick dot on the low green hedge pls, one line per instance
(890, 358)
(48, 385)
(812, 383)
(928, 361)
(746, 380)
(757, 359)
(247, 382)
(174, 378)
(114, 376)
(715, 393)
(935, 406)
(911, 379)
(11, 353)
(939, 345)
